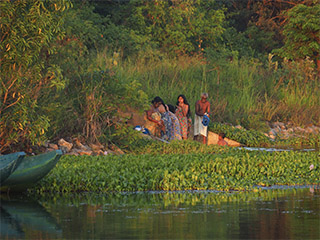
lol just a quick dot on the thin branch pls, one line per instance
(10, 105)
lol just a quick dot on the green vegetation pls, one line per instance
(302, 37)
(28, 82)
(254, 138)
(177, 147)
(304, 141)
(67, 67)
(227, 169)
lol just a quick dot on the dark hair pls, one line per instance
(223, 135)
(159, 100)
(171, 108)
(185, 102)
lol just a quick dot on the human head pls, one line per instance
(183, 97)
(162, 108)
(204, 95)
(222, 135)
(157, 101)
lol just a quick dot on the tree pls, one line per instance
(260, 22)
(302, 34)
(27, 30)
(177, 26)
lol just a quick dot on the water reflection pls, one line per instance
(267, 213)
(23, 217)
(10, 228)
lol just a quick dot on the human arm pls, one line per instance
(149, 117)
(208, 108)
(185, 109)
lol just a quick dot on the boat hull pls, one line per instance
(8, 164)
(31, 170)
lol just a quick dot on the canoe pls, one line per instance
(213, 138)
(8, 164)
(31, 170)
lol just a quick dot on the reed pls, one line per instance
(240, 91)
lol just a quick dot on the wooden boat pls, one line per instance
(8, 164)
(31, 170)
(213, 138)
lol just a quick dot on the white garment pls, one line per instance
(199, 128)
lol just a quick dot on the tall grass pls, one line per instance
(242, 92)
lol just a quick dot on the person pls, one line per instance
(171, 123)
(183, 115)
(202, 107)
(171, 108)
(221, 140)
(153, 118)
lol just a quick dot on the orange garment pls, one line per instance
(153, 127)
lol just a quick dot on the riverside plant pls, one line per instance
(254, 138)
(311, 140)
(230, 170)
(177, 147)
(250, 138)
(243, 91)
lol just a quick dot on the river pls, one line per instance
(265, 213)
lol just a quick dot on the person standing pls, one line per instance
(183, 114)
(202, 108)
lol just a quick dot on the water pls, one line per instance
(275, 213)
(278, 149)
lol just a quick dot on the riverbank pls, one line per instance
(278, 135)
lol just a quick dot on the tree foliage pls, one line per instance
(27, 30)
(63, 68)
(254, 28)
(177, 26)
(302, 33)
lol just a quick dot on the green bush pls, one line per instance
(28, 82)
(95, 99)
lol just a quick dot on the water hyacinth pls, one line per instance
(237, 170)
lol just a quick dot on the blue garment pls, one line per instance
(205, 120)
(172, 126)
